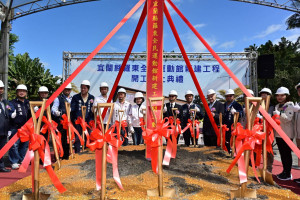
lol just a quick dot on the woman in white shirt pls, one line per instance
(284, 109)
(136, 112)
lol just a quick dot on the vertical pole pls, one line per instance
(5, 28)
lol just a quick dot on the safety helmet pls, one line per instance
(138, 95)
(86, 82)
(43, 89)
(266, 90)
(298, 85)
(189, 92)
(283, 90)
(251, 92)
(1, 84)
(103, 84)
(229, 92)
(21, 87)
(173, 92)
(69, 86)
(211, 91)
(122, 90)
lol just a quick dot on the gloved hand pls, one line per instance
(14, 114)
(177, 112)
(165, 109)
(259, 116)
(296, 108)
(232, 111)
(276, 112)
(57, 113)
(9, 133)
(197, 109)
(131, 129)
(36, 109)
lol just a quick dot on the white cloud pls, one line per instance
(137, 14)
(271, 29)
(124, 39)
(227, 45)
(195, 45)
(45, 64)
(292, 37)
(198, 26)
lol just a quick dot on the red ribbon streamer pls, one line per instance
(224, 130)
(66, 125)
(190, 126)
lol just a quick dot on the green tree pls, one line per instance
(287, 65)
(238, 95)
(32, 73)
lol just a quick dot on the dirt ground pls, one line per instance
(196, 173)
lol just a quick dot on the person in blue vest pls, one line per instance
(186, 114)
(59, 109)
(7, 111)
(21, 104)
(230, 107)
(84, 98)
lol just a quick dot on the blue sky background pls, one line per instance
(228, 26)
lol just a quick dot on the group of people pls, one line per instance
(14, 114)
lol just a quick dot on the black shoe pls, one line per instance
(284, 176)
(4, 170)
(297, 180)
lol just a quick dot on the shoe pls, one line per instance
(284, 176)
(4, 170)
(15, 166)
(297, 180)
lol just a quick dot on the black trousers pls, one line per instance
(137, 136)
(227, 140)
(64, 141)
(285, 155)
(187, 136)
(3, 140)
(210, 140)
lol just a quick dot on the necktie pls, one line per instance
(171, 106)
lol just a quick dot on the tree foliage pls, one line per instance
(32, 73)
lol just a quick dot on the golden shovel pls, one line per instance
(265, 174)
(57, 164)
(235, 121)
(68, 110)
(160, 191)
(83, 111)
(220, 130)
(193, 117)
(36, 195)
(243, 191)
(174, 112)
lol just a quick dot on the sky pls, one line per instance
(228, 26)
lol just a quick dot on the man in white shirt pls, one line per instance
(122, 104)
(103, 99)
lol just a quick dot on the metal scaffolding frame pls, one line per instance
(290, 5)
(171, 56)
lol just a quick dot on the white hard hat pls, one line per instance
(298, 85)
(138, 95)
(251, 92)
(103, 84)
(173, 92)
(229, 92)
(21, 87)
(189, 92)
(1, 84)
(283, 90)
(122, 90)
(266, 90)
(43, 89)
(69, 86)
(86, 82)
(211, 91)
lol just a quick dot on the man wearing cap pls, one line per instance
(84, 98)
(122, 104)
(186, 114)
(172, 104)
(136, 112)
(59, 109)
(21, 104)
(216, 107)
(6, 112)
(230, 107)
(103, 99)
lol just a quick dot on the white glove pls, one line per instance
(259, 116)
(197, 109)
(57, 113)
(276, 112)
(177, 112)
(165, 109)
(131, 129)
(36, 109)
(9, 133)
(244, 110)
(14, 114)
(296, 108)
(232, 111)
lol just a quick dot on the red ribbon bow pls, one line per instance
(66, 124)
(224, 130)
(190, 126)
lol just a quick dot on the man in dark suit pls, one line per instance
(216, 107)
(230, 107)
(172, 104)
(186, 114)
